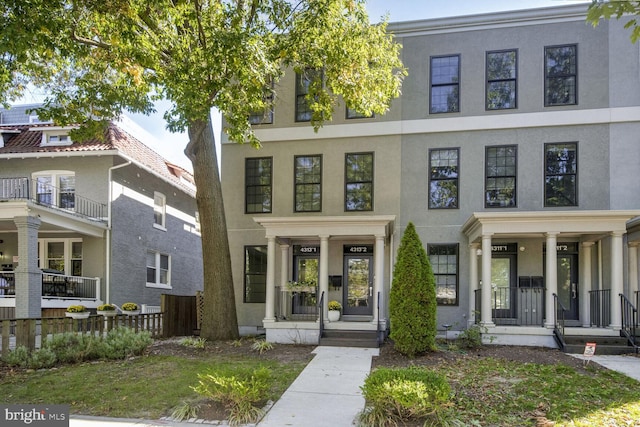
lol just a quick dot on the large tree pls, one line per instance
(616, 8)
(99, 58)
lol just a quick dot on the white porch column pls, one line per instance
(324, 274)
(269, 300)
(485, 316)
(284, 278)
(378, 253)
(473, 282)
(551, 279)
(633, 270)
(585, 283)
(617, 266)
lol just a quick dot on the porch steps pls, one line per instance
(349, 338)
(604, 345)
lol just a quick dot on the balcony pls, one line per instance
(43, 194)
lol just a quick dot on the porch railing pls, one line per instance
(22, 188)
(55, 286)
(321, 314)
(629, 321)
(600, 308)
(518, 306)
(29, 332)
(296, 304)
(558, 322)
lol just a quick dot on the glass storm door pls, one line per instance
(568, 284)
(358, 287)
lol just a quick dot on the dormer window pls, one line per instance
(53, 136)
(56, 140)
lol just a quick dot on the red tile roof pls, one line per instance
(29, 141)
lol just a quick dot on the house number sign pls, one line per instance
(358, 249)
(306, 250)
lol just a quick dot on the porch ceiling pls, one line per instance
(589, 225)
(52, 220)
(378, 225)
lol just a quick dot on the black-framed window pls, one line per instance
(354, 114)
(501, 165)
(502, 79)
(264, 116)
(258, 184)
(304, 82)
(255, 274)
(308, 183)
(358, 182)
(561, 75)
(445, 84)
(444, 263)
(561, 174)
(443, 178)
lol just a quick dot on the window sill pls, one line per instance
(158, 286)
(159, 227)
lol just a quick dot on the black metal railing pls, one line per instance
(558, 322)
(320, 307)
(600, 308)
(629, 321)
(513, 306)
(378, 330)
(50, 196)
(55, 286)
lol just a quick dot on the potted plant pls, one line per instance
(77, 312)
(107, 310)
(130, 308)
(334, 310)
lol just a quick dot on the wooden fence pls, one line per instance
(180, 315)
(29, 332)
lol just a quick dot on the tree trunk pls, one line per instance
(219, 320)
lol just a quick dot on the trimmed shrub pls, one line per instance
(123, 342)
(399, 395)
(70, 347)
(37, 359)
(238, 391)
(412, 300)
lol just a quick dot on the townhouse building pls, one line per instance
(513, 149)
(89, 222)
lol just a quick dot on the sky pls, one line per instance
(152, 130)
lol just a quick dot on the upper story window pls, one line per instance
(561, 174)
(56, 188)
(159, 210)
(308, 183)
(445, 84)
(158, 270)
(358, 182)
(500, 180)
(444, 262)
(258, 185)
(502, 81)
(255, 274)
(265, 115)
(561, 75)
(443, 178)
(55, 136)
(304, 83)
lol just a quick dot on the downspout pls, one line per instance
(107, 243)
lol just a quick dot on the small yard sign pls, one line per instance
(589, 351)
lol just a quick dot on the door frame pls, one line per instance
(357, 252)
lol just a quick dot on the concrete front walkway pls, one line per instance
(327, 392)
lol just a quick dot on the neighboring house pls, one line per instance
(105, 220)
(514, 149)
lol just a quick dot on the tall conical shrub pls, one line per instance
(412, 303)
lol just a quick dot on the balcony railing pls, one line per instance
(55, 286)
(50, 196)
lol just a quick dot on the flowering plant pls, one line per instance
(76, 309)
(130, 306)
(335, 305)
(106, 307)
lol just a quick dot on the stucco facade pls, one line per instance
(573, 249)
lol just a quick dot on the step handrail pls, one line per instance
(558, 326)
(321, 317)
(629, 321)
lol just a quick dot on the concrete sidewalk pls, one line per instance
(628, 364)
(327, 392)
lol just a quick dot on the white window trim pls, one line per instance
(42, 253)
(55, 183)
(163, 225)
(157, 283)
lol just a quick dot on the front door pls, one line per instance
(358, 287)
(568, 284)
(305, 272)
(503, 276)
